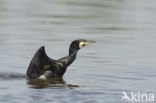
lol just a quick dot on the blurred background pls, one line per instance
(122, 59)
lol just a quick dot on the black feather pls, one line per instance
(42, 65)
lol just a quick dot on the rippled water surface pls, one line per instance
(122, 59)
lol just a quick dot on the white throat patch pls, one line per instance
(81, 45)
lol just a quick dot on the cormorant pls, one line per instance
(43, 67)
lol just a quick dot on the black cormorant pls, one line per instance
(43, 67)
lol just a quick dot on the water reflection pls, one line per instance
(37, 83)
(50, 83)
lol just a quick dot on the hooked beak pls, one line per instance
(91, 41)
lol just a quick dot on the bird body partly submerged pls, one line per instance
(43, 67)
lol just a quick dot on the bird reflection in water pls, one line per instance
(38, 83)
(55, 83)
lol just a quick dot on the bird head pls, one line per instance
(78, 44)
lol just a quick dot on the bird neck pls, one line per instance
(71, 57)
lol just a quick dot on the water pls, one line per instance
(122, 59)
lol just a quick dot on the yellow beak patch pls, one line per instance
(84, 43)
